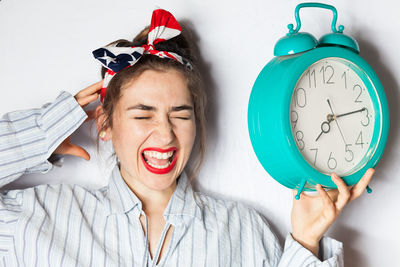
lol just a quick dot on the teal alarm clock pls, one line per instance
(316, 108)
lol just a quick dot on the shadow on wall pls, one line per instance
(210, 89)
(352, 256)
(213, 98)
(371, 54)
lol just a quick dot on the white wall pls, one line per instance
(46, 47)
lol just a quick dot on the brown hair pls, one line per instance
(183, 46)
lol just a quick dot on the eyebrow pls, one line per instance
(150, 108)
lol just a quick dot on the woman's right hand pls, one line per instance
(83, 97)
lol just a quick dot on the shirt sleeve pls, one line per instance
(10, 211)
(28, 137)
(295, 255)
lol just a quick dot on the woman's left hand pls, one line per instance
(83, 97)
(312, 215)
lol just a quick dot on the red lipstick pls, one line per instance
(160, 171)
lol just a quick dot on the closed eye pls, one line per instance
(143, 118)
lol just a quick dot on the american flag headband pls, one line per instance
(163, 27)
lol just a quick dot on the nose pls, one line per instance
(165, 133)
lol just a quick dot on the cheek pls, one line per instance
(141, 130)
(128, 137)
(187, 134)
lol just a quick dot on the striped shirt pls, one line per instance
(68, 225)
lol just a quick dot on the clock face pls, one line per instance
(332, 117)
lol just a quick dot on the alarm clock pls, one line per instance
(317, 108)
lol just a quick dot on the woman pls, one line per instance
(152, 110)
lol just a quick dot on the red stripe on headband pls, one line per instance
(103, 94)
(169, 55)
(110, 72)
(159, 40)
(103, 90)
(162, 17)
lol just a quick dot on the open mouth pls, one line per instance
(159, 162)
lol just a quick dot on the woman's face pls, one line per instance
(154, 129)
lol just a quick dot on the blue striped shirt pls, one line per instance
(68, 225)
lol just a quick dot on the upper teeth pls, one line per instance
(158, 155)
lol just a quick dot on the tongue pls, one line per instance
(159, 162)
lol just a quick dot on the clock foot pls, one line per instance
(301, 187)
(369, 190)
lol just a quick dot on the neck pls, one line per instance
(153, 201)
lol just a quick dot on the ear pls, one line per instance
(100, 118)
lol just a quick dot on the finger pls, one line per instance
(77, 151)
(326, 200)
(359, 188)
(90, 89)
(84, 100)
(344, 192)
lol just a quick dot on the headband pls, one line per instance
(163, 27)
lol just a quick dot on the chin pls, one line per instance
(159, 182)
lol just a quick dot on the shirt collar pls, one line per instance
(121, 197)
(181, 206)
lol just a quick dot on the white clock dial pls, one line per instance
(332, 117)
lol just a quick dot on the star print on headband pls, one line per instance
(163, 27)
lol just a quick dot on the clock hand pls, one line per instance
(329, 118)
(329, 103)
(324, 130)
(340, 130)
(348, 113)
